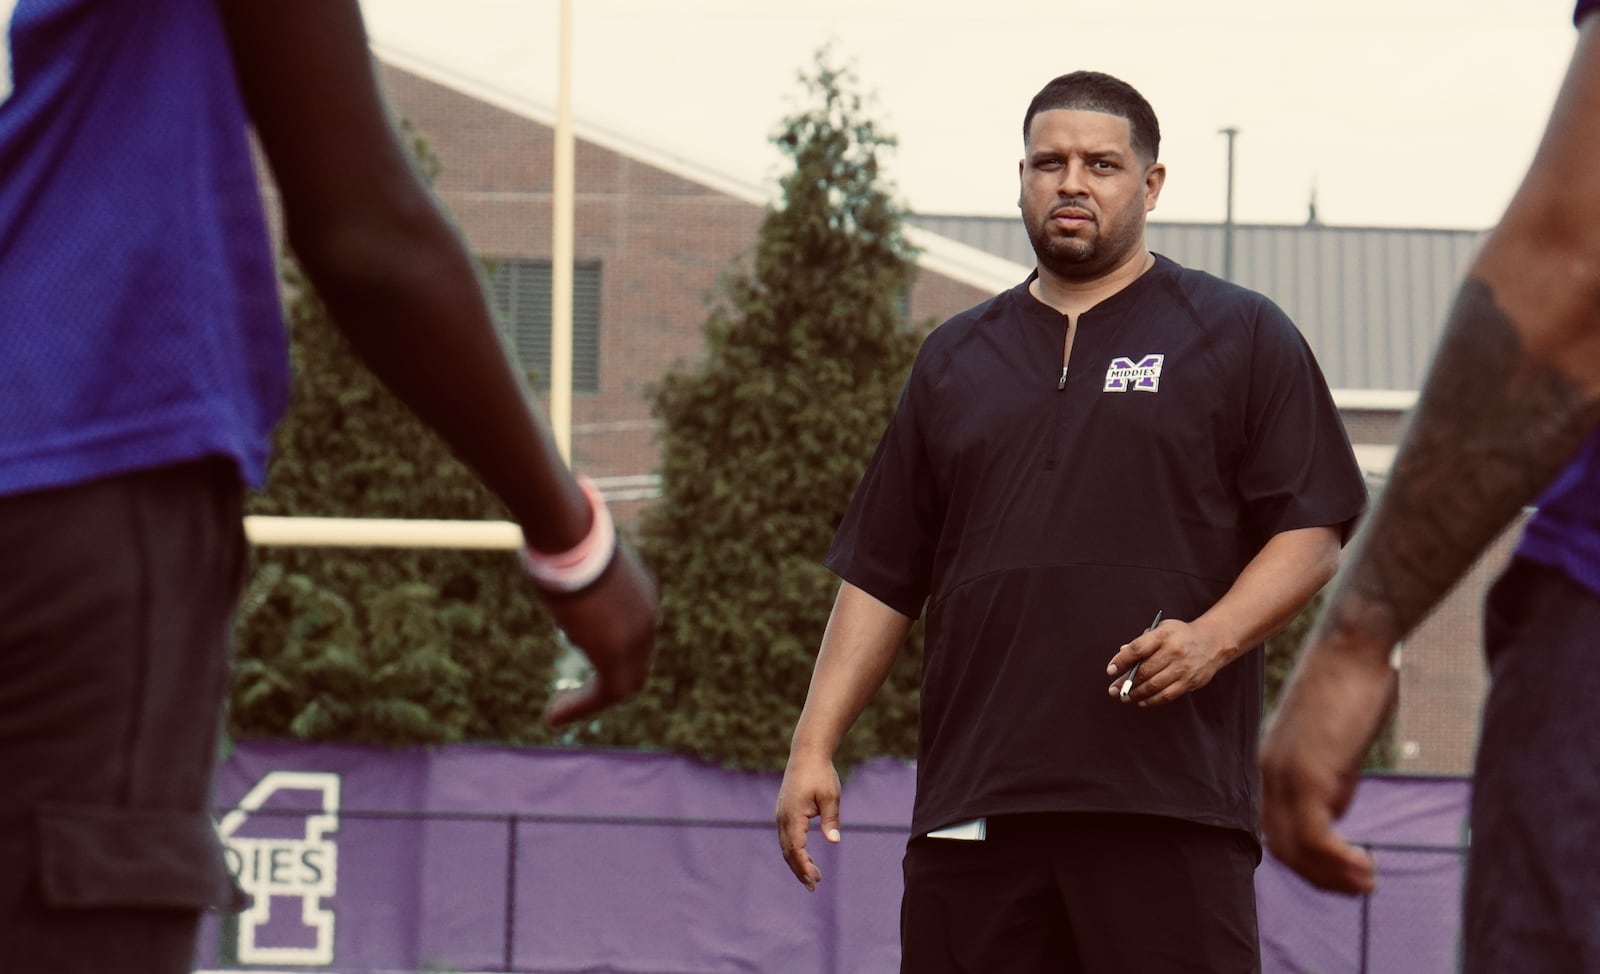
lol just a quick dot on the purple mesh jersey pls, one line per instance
(139, 316)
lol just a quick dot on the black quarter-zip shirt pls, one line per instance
(1041, 519)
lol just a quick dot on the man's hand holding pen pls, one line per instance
(1133, 671)
(1169, 659)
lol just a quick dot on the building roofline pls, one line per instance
(545, 115)
(960, 262)
(940, 255)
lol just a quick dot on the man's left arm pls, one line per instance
(1179, 657)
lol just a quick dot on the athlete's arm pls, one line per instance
(1513, 393)
(402, 286)
(857, 649)
(1180, 657)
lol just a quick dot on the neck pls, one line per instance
(1073, 296)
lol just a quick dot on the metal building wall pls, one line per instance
(1371, 301)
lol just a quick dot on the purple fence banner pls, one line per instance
(496, 859)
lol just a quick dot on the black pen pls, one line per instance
(1127, 683)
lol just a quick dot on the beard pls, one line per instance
(1088, 254)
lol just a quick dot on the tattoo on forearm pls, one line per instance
(1493, 427)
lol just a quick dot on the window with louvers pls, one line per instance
(520, 290)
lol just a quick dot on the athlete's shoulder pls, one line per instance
(960, 326)
(1217, 303)
(1204, 287)
(945, 341)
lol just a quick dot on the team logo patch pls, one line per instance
(1143, 375)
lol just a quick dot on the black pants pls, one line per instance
(1533, 870)
(116, 603)
(1082, 894)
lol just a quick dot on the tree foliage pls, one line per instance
(398, 646)
(763, 441)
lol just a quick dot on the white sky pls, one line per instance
(1418, 113)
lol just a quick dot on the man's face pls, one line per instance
(1085, 192)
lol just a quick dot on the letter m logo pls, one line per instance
(1143, 375)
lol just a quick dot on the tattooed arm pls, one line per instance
(1513, 393)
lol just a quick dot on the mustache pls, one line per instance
(1079, 206)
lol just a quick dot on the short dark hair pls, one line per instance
(1092, 91)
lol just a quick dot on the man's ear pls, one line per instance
(1155, 177)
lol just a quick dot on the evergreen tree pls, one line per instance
(763, 441)
(396, 646)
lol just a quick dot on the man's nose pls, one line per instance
(1073, 181)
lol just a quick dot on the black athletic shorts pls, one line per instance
(116, 604)
(1078, 893)
(1533, 869)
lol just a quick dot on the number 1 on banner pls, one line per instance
(8, 9)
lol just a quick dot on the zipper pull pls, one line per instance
(1063, 383)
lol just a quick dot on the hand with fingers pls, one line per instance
(810, 789)
(1332, 710)
(1165, 662)
(613, 622)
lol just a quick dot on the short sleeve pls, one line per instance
(885, 543)
(1299, 470)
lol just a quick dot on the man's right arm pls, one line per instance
(858, 647)
(402, 286)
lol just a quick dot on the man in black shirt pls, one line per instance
(1115, 440)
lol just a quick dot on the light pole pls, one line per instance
(1227, 220)
(562, 246)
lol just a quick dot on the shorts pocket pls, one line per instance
(100, 856)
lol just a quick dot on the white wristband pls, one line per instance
(578, 567)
